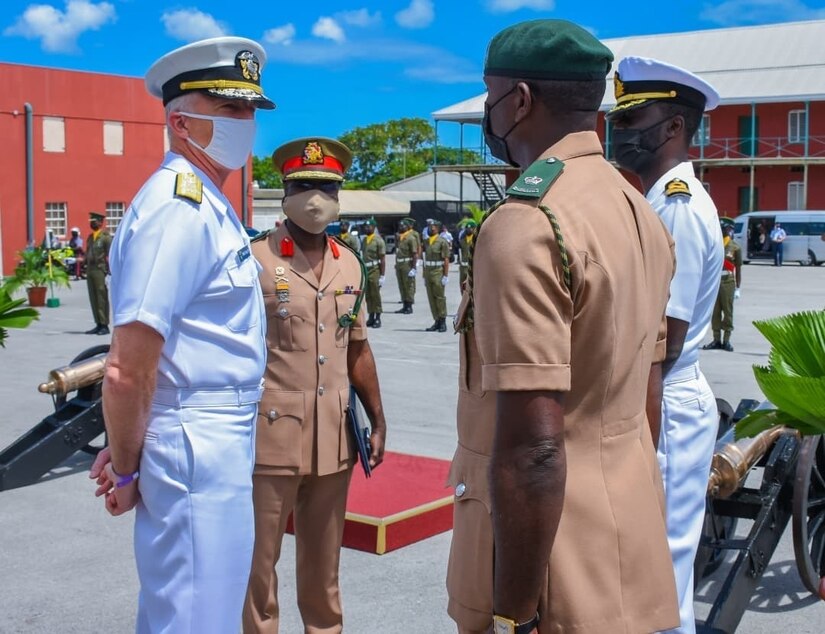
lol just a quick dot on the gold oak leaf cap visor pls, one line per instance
(224, 67)
(640, 80)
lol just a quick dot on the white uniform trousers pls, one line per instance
(686, 442)
(194, 527)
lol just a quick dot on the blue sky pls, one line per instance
(334, 65)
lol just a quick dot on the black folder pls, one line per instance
(360, 430)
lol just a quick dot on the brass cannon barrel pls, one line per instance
(72, 377)
(733, 459)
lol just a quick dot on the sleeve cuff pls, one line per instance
(680, 313)
(153, 321)
(660, 351)
(525, 377)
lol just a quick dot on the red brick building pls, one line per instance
(95, 139)
(763, 148)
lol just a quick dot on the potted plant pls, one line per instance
(12, 316)
(34, 272)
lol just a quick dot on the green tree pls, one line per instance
(265, 173)
(385, 153)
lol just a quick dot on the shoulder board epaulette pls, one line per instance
(677, 187)
(263, 235)
(188, 185)
(537, 179)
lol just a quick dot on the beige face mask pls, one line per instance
(311, 210)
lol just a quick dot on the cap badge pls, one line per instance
(249, 65)
(618, 86)
(313, 154)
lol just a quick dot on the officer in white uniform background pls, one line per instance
(183, 376)
(658, 109)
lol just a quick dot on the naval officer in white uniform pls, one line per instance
(183, 376)
(658, 109)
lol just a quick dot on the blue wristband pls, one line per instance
(123, 480)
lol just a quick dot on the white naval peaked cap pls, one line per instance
(639, 80)
(226, 67)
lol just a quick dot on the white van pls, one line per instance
(805, 242)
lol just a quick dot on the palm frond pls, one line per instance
(799, 340)
(760, 420)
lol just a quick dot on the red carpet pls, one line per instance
(405, 501)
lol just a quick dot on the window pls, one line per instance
(797, 128)
(112, 137)
(56, 218)
(114, 214)
(54, 134)
(702, 136)
(796, 195)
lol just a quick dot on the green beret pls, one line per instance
(93, 215)
(370, 222)
(547, 49)
(470, 223)
(407, 221)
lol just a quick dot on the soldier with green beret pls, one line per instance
(373, 252)
(347, 238)
(97, 268)
(436, 274)
(464, 245)
(407, 254)
(558, 521)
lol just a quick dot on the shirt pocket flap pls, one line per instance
(276, 404)
(468, 476)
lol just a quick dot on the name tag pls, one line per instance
(243, 254)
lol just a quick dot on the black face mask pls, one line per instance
(94, 225)
(497, 144)
(632, 151)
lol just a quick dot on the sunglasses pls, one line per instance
(328, 187)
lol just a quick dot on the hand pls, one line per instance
(444, 280)
(377, 438)
(736, 294)
(411, 273)
(380, 281)
(117, 500)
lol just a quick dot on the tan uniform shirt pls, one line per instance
(301, 417)
(610, 568)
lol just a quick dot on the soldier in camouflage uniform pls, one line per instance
(97, 268)
(464, 246)
(722, 320)
(436, 271)
(373, 252)
(349, 239)
(407, 253)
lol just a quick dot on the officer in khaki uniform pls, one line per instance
(559, 521)
(97, 268)
(347, 238)
(721, 322)
(407, 253)
(374, 254)
(464, 246)
(312, 286)
(436, 274)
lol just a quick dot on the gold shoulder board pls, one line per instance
(677, 187)
(188, 185)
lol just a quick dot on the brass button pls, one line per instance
(460, 488)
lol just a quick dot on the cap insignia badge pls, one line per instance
(618, 86)
(249, 65)
(313, 154)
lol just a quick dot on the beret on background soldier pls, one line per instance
(313, 158)
(547, 49)
(94, 215)
(639, 81)
(224, 67)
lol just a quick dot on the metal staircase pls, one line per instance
(491, 192)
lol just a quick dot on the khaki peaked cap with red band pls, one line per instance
(312, 158)
(225, 67)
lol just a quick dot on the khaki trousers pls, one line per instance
(98, 295)
(722, 318)
(318, 504)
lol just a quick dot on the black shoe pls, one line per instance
(408, 309)
(402, 310)
(371, 320)
(103, 330)
(434, 327)
(377, 321)
(713, 345)
(727, 347)
(93, 331)
(442, 325)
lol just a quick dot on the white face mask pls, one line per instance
(232, 140)
(311, 210)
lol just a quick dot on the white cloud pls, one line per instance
(191, 25)
(418, 15)
(280, 34)
(736, 12)
(58, 30)
(506, 6)
(329, 29)
(359, 17)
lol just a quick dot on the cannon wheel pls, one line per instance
(808, 522)
(91, 393)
